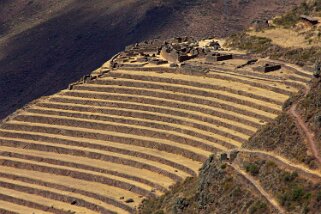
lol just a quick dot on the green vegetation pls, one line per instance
(252, 168)
(319, 196)
(252, 43)
(292, 17)
(258, 207)
(310, 107)
(264, 47)
(174, 200)
(295, 194)
(288, 177)
(217, 190)
(282, 136)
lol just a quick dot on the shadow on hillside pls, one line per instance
(46, 58)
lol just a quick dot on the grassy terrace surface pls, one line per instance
(107, 144)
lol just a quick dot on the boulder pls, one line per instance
(130, 200)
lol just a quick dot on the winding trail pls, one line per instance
(303, 127)
(303, 170)
(256, 184)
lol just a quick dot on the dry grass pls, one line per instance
(286, 38)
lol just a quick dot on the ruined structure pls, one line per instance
(248, 62)
(228, 156)
(215, 57)
(214, 45)
(173, 55)
(135, 127)
(309, 20)
(268, 68)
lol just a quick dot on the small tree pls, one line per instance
(317, 69)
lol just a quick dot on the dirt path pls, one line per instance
(301, 169)
(304, 129)
(257, 185)
(305, 132)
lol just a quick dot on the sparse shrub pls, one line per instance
(245, 42)
(297, 194)
(252, 168)
(271, 164)
(319, 196)
(228, 183)
(288, 177)
(306, 209)
(257, 207)
(317, 121)
(180, 205)
(223, 166)
(291, 18)
(294, 196)
(236, 192)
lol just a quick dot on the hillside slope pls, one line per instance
(47, 44)
(145, 121)
(283, 158)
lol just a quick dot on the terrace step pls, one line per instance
(74, 187)
(204, 92)
(104, 127)
(85, 164)
(28, 198)
(205, 114)
(8, 207)
(48, 142)
(184, 95)
(216, 134)
(109, 157)
(27, 162)
(197, 82)
(126, 139)
(172, 99)
(138, 115)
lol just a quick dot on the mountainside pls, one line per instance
(44, 45)
(283, 158)
(147, 120)
(199, 124)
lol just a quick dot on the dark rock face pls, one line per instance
(68, 38)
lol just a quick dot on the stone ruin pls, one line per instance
(178, 50)
(214, 45)
(309, 20)
(185, 39)
(146, 47)
(173, 51)
(215, 57)
(248, 62)
(268, 68)
(228, 156)
(193, 69)
(171, 54)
